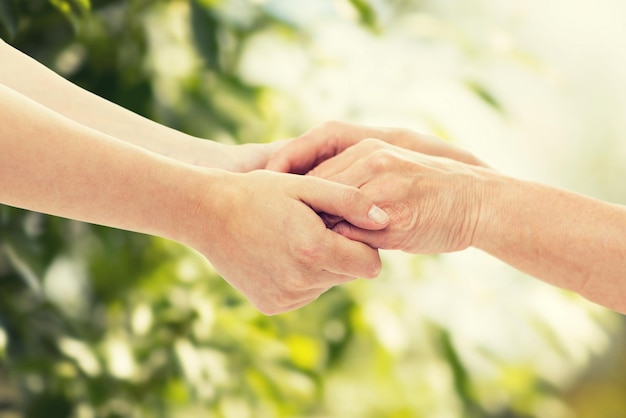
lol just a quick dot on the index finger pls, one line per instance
(315, 146)
(350, 258)
(344, 201)
(301, 154)
(347, 159)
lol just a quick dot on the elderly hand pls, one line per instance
(304, 153)
(433, 202)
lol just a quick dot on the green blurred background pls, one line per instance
(96, 322)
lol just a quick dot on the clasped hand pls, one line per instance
(319, 229)
(286, 256)
(433, 200)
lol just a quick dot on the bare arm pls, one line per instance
(440, 205)
(564, 238)
(259, 229)
(53, 165)
(25, 75)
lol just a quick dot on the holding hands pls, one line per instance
(433, 200)
(274, 247)
(283, 239)
(112, 167)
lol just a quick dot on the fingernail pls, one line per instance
(378, 215)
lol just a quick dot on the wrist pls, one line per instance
(200, 205)
(498, 195)
(195, 151)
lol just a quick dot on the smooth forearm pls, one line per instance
(572, 241)
(53, 165)
(30, 78)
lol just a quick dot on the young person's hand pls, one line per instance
(261, 230)
(263, 234)
(304, 153)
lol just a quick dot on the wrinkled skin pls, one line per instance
(433, 202)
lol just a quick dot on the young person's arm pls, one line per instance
(32, 79)
(261, 230)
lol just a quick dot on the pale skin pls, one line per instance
(450, 201)
(259, 229)
(32, 79)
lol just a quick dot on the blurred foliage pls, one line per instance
(96, 322)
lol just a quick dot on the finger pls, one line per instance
(302, 154)
(330, 167)
(330, 220)
(350, 258)
(345, 201)
(356, 175)
(374, 239)
(347, 158)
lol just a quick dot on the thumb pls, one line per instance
(344, 201)
(296, 157)
(372, 238)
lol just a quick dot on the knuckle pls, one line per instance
(308, 253)
(381, 161)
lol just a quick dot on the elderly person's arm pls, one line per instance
(441, 205)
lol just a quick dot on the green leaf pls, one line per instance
(204, 27)
(9, 19)
(74, 7)
(23, 264)
(74, 10)
(486, 96)
(367, 14)
(462, 380)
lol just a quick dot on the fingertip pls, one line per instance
(370, 237)
(343, 228)
(378, 216)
